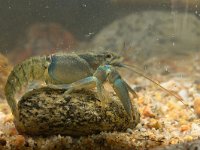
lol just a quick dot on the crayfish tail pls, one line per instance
(29, 70)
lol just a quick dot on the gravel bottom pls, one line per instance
(164, 119)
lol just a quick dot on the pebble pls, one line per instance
(197, 106)
(2, 142)
(19, 141)
(153, 123)
(147, 112)
(12, 131)
(130, 131)
(184, 128)
(184, 94)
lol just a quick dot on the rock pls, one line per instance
(48, 111)
(147, 33)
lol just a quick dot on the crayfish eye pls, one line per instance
(108, 56)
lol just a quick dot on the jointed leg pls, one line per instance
(86, 83)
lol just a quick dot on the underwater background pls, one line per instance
(159, 37)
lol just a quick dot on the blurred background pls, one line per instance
(139, 28)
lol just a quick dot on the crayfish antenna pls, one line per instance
(145, 76)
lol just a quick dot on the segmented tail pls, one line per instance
(30, 69)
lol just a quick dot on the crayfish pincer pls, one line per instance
(68, 104)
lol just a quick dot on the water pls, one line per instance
(160, 38)
(29, 28)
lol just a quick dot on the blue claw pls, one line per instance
(121, 88)
(122, 92)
